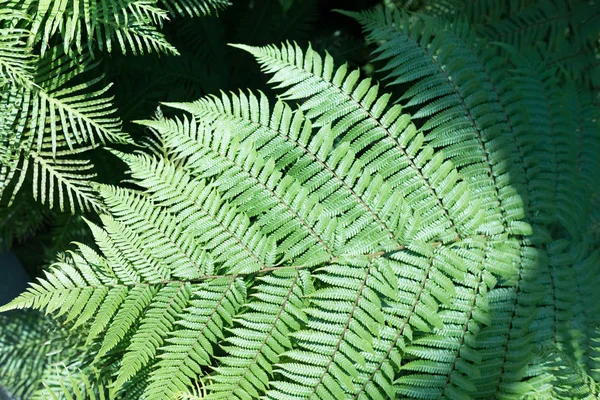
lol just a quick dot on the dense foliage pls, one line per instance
(435, 235)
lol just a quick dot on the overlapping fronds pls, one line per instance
(529, 129)
(256, 187)
(454, 89)
(50, 121)
(60, 381)
(54, 103)
(70, 111)
(194, 8)
(346, 248)
(87, 24)
(30, 346)
(15, 52)
(264, 191)
(547, 22)
(565, 31)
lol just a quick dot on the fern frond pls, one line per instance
(332, 178)
(157, 322)
(236, 241)
(458, 94)
(30, 344)
(556, 151)
(346, 315)
(129, 25)
(572, 381)
(16, 59)
(506, 342)
(48, 122)
(283, 208)
(584, 126)
(260, 335)
(176, 250)
(212, 307)
(78, 113)
(59, 175)
(195, 8)
(59, 178)
(72, 385)
(547, 22)
(354, 105)
(381, 260)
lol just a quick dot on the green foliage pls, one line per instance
(55, 103)
(434, 236)
(34, 348)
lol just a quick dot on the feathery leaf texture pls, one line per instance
(51, 97)
(129, 25)
(48, 123)
(347, 248)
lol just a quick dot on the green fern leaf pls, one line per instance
(309, 75)
(130, 26)
(193, 8)
(255, 187)
(212, 307)
(261, 334)
(237, 242)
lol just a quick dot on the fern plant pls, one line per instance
(351, 246)
(54, 106)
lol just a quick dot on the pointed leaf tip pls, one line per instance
(351, 14)
(245, 47)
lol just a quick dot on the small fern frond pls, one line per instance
(555, 150)
(195, 8)
(129, 25)
(59, 175)
(48, 123)
(59, 178)
(78, 113)
(212, 307)
(260, 335)
(176, 251)
(572, 380)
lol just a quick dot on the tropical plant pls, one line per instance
(434, 239)
(56, 106)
